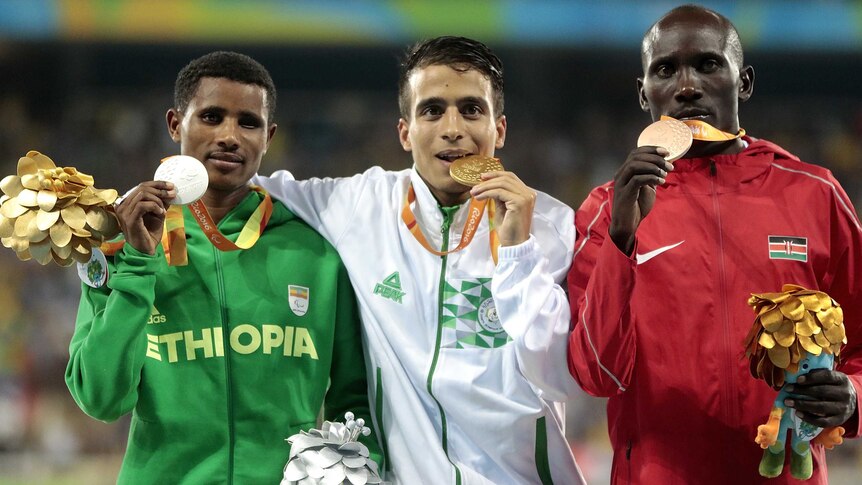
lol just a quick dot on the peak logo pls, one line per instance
(390, 288)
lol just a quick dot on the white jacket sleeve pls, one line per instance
(534, 311)
(326, 204)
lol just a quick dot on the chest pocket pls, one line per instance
(469, 317)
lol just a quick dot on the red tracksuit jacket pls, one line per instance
(661, 333)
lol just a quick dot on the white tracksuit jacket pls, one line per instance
(460, 395)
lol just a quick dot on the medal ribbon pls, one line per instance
(703, 131)
(475, 211)
(174, 239)
(174, 232)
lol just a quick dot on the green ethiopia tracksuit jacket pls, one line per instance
(221, 360)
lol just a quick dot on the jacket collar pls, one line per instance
(758, 152)
(429, 215)
(731, 172)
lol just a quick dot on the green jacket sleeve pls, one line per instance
(348, 390)
(109, 344)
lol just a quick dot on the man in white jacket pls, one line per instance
(466, 387)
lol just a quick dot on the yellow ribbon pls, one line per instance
(174, 232)
(174, 237)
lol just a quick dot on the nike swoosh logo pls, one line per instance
(643, 258)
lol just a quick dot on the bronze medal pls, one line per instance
(670, 134)
(468, 170)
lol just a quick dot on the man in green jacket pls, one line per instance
(220, 359)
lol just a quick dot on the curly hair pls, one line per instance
(223, 64)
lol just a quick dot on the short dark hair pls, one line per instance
(459, 53)
(731, 37)
(223, 64)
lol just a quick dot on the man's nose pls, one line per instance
(227, 135)
(688, 85)
(453, 125)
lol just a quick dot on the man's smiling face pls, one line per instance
(451, 116)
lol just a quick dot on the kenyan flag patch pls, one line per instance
(788, 247)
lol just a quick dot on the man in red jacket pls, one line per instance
(667, 256)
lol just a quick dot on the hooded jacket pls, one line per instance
(221, 360)
(661, 333)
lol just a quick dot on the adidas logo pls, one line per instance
(156, 317)
(390, 288)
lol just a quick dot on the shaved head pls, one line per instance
(695, 15)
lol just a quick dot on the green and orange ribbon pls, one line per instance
(174, 237)
(474, 211)
(174, 233)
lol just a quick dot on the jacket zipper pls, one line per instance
(629, 460)
(228, 386)
(727, 382)
(448, 214)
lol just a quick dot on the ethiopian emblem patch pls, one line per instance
(788, 247)
(298, 298)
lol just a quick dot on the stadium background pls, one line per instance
(88, 82)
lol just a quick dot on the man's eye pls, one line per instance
(472, 109)
(664, 71)
(249, 123)
(211, 117)
(710, 65)
(431, 111)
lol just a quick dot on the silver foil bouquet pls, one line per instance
(331, 456)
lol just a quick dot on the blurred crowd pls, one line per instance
(118, 135)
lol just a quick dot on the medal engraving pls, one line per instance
(188, 175)
(670, 134)
(468, 170)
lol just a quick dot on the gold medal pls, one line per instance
(670, 134)
(468, 170)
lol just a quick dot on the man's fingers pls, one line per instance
(138, 205)
(165, 191)
(646, 180)
(147, 207)
(639, 167)
(510, 199)
(821, 376)
(819, 421)
(820, 393)
(815, 408)
(165, 194)
(506, 186)
(158, 184)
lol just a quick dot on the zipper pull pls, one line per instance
(448, 215)
(712, 170)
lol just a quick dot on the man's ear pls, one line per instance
(500, 127)
(173, 120)
(269, 136)
(404, 134)
(746, 84)
(642, 95)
